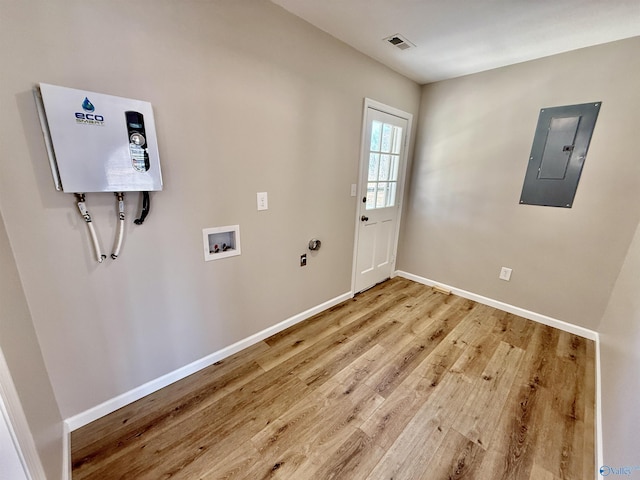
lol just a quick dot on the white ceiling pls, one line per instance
(459, 37)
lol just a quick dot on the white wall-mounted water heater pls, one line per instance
(99, 143)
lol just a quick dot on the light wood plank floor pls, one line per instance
(402, 382)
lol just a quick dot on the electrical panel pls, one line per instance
(558, 153)
(98, 142)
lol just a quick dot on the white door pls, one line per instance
(382, 173)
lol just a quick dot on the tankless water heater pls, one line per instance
(98, 142)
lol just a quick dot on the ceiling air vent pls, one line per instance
(399, 41)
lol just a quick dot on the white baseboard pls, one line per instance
(66, 452)
(536, 317)
(88, 416)
(599, 439)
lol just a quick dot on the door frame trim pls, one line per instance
(19, 431)
(402, 178)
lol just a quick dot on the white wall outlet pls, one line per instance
(505, 274)
(263, 201)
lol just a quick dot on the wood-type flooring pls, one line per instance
(400, 382)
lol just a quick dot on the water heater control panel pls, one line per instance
(98, 142)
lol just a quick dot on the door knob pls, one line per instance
(364, 218)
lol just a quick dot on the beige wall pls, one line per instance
(620, 364)
(247, 98)
(19, 346)
(463, 220)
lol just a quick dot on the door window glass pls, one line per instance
(384, 157)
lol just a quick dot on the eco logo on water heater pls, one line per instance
(87, 106)
(89, 118)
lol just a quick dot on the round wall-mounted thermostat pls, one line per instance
(314, 244)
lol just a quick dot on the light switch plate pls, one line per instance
(354, 189)
(263, 201)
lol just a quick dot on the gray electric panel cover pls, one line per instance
(558, 153)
